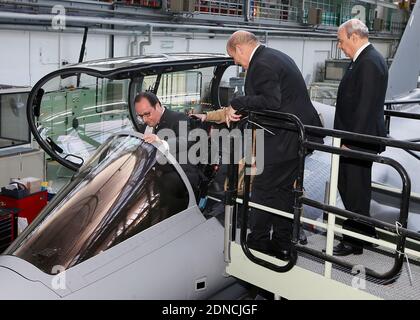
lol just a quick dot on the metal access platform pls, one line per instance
(388, 269)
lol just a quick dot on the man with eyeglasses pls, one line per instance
(156, 118)
(150, 111)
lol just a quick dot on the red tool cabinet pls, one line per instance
(28, 207)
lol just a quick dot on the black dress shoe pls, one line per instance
(303, 239)
(282, 254)
(344, 249)
(280, 249)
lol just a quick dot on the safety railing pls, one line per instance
(394, 27)
(403, 216)
(391, 112)
(281, 120)
(273, 11)
(329, 8)
(230, 200)
(223, 8)
(155, 4)
(257, 9)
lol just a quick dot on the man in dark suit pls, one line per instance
(157, 118)
(359, 109)
(273, 82)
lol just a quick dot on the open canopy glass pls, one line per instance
(122, 190)
(72, 111)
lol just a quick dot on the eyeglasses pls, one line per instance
(145, 115)
(141, 117)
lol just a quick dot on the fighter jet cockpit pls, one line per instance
(72, 111)
(76, 113)
(127, 223)
(121, 191)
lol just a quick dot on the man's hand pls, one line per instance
(150, 138)
(231, 115)
(343, 146)
(201, 116)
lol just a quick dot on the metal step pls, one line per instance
(377, 259)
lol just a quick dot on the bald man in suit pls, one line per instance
(273, 82)
(359, 109)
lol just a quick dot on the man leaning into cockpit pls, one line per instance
(156, 118)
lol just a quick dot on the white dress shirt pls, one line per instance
(358, 52)
(252, 53)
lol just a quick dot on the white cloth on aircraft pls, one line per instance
(73, 143)
(148, 130)
(165, 145)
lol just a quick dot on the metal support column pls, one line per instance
(335, 162)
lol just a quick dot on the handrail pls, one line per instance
(298, 208)
(293, 122)
(364, 138)
(304, 145)
(349, 214)
(410, 101)
(384, 141)
(230, 202)
(403, 216)
(411, 153)
(388, 112)
(402, 114)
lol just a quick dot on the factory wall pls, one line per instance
(26, 56)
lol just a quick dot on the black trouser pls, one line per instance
(354, 184)
(273, 188)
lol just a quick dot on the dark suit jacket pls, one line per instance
(171, 120)
(178, 146)
(361, 96)
(274, 82)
